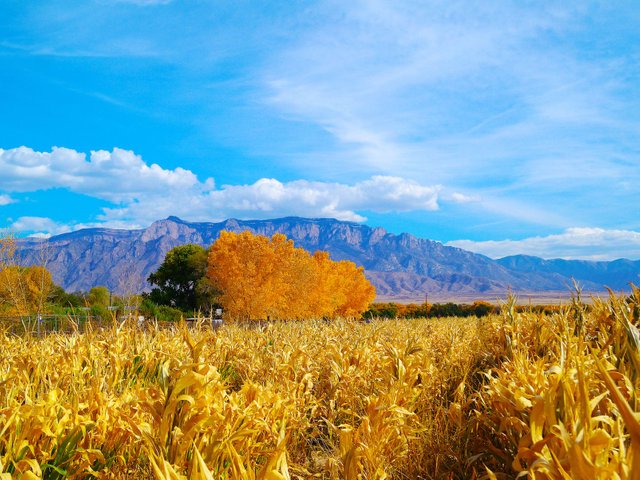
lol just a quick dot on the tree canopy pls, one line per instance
(261, 277)
(181, 280)
(99, 296)
(24, 290)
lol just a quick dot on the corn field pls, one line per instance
(510, 395)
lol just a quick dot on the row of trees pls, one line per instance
(261, 278)
(26, 291)
(30, 290)
(256, 277)
(427, 310)
(251, 276)
(450, 309)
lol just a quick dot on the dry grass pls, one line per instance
(548, 396)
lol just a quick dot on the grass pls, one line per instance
(548, 396)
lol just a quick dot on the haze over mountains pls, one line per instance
(401, 266)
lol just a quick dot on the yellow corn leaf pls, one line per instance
(536, 420)
(564, 475)
(522, 402)
(599, 440)
(490, 474)
(30, 476)
(200, 470)
(627, 413)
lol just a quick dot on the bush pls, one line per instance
(63, 299)
(101, 311)
(426, 310)
(162, 313)
(169, 314)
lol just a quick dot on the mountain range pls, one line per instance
(402, 267)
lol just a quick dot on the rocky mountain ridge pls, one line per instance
(400, 266)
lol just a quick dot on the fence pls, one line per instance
(38, 325)
(43, 324)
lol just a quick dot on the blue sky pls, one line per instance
(501, 127)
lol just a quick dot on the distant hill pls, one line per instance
(401, 266)
(615, 274)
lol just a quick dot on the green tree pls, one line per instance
(61, 298)
(99, 296)
(181, 280)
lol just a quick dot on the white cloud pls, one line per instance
(142, 193)
(45, 227)
(42, 227)
(6, 200)
(116, 176)
(270, 198)
(573, 243)
(457, 197)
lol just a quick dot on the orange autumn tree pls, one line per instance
(24, 290)
(262, 277)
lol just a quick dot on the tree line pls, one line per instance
(441, 310)
(252, 277)
(430, 310)
(256, 277)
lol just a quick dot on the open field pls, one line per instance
(523, 298)
(553, 396)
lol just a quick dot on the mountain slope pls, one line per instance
(615, 274)
(399, 265)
